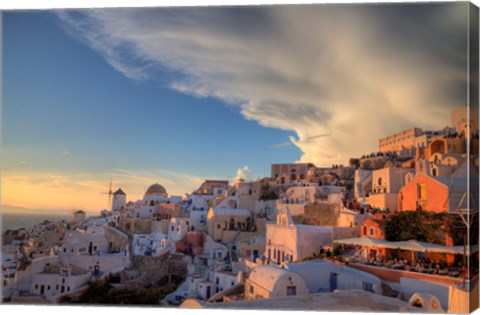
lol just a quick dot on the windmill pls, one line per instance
(109, 193)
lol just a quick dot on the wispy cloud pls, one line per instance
(316, 137)
(356, 72)
(282, 145)
(66, 152)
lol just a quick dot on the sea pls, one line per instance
(13, 221)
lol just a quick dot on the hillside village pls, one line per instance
(386, 232)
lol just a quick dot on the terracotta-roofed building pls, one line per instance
(373, 227)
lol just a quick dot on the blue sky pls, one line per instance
(66, 109)
(178, 95)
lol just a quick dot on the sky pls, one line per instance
(178, 95)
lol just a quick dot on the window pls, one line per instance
(36, 287)
(292, 290)
(217, 281)
(367, 286)
(372, 231)
(379, 181)
(364, 230)
(250, 289)
(421, 191)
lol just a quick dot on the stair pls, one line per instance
(200, 272)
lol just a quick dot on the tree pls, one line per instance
(418, 225)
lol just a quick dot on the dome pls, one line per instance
(156, 190)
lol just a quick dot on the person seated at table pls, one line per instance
(418, 267)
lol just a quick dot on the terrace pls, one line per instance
(391, 260)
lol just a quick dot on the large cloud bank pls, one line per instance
(350, 73)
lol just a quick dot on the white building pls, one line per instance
(50, 278)
(224, 224)
(150, 244)
(155, 194)
(386, 183)
(324, 276)
(91, 250)
(288, 242)
(266, 282)
(79, 216)
(178, 228)
(198, 208)
(362, 183)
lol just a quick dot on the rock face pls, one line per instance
(145, 270)
(322, 214)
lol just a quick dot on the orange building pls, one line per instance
(444, 144)
(397, 142)
(373, 227)
(424, 192)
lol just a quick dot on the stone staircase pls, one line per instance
(200, 272)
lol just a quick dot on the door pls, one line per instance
(333, 281)
(96, 270)
(291, 290)
(208, 292)
(42, 290)
(255, 255)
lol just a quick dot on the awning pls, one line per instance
(411, 245)
(362, 241)
(416, 246)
